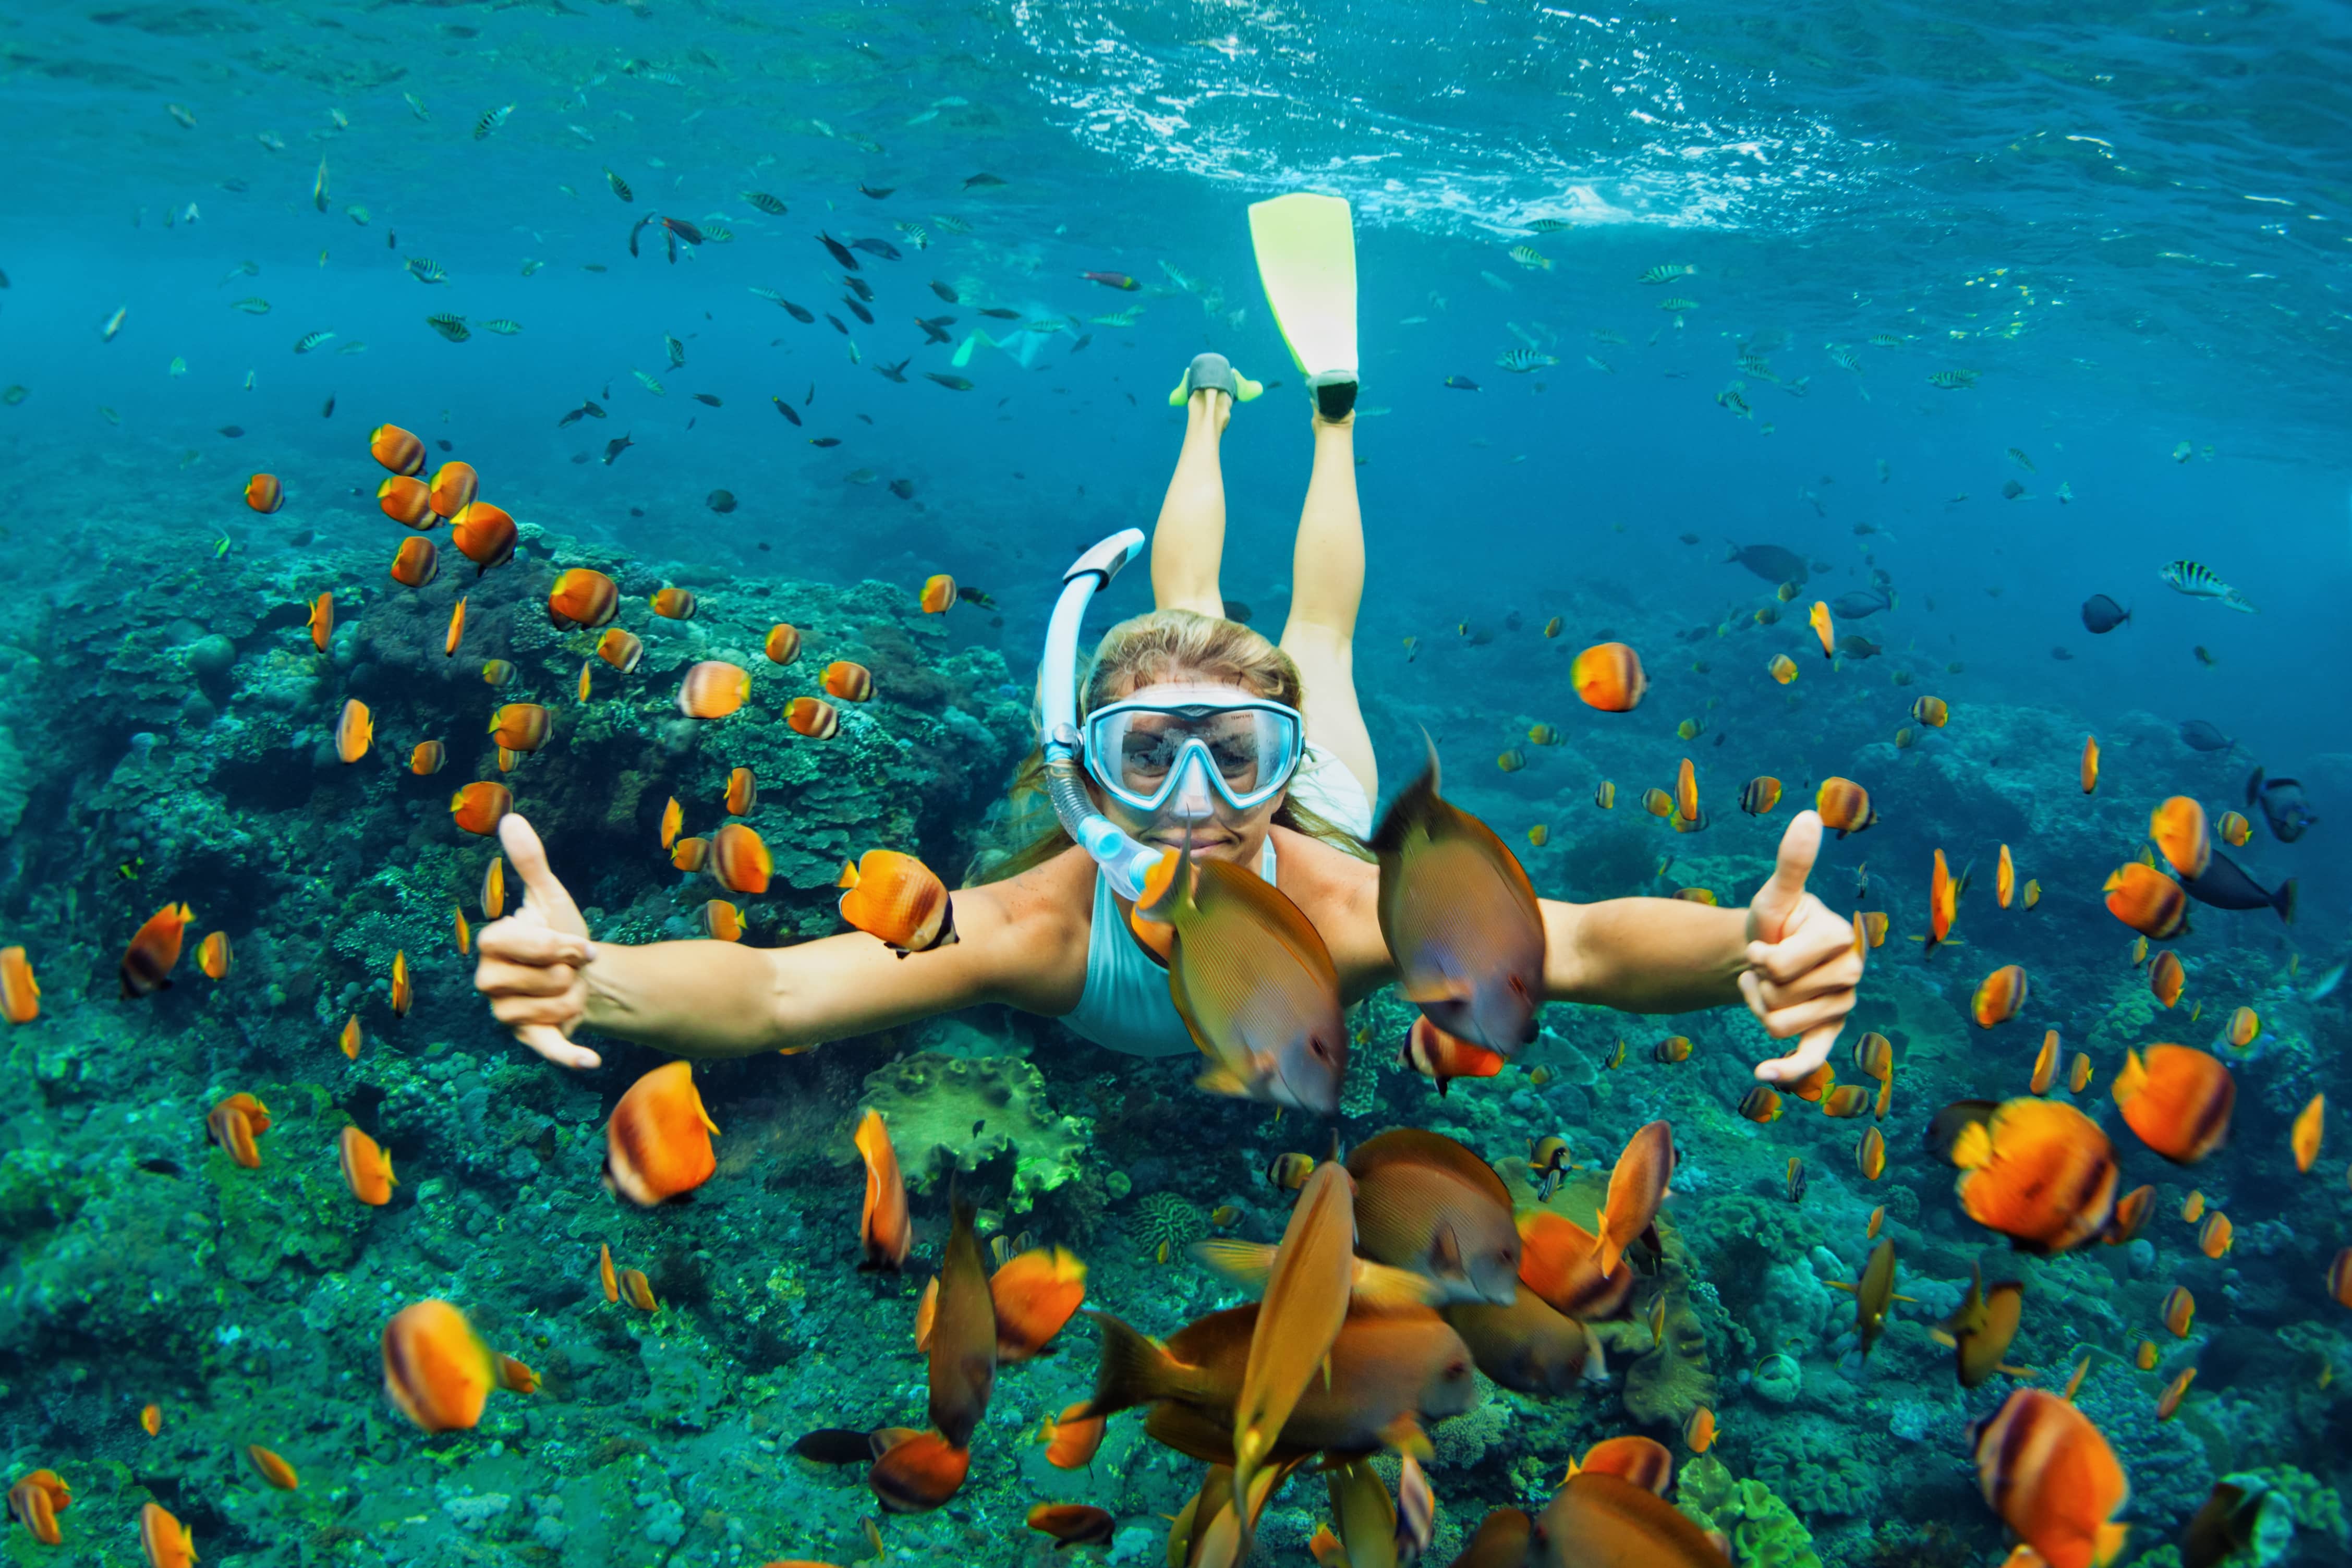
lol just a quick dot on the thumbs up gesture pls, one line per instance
(1802, 963)
(530, 963)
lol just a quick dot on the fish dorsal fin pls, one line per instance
(1413, 1145)
(1411, 809)
(1273, 908)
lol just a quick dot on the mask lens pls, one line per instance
(1246, 753)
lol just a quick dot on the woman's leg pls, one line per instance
(1189, 540)
(1327, 584)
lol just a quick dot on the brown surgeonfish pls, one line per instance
(1637, 1186)
(1256, 985)
(962, 1371)
(1979, 1332)
(1527, 1346)
(1426, 1203)
(1600, 1521)
(1460, 918)
(2038, 1171)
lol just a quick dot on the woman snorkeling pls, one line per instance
(1185, 728)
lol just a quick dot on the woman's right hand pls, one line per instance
(530, 963)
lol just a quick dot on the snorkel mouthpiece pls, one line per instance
(1123, 861)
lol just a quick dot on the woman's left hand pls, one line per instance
(1802, 963)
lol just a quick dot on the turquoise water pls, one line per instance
(2128, 225)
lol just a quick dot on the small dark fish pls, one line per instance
(1689, 538)
(328, 410)
(1236, 610)
(953, 383)
(1860, 604)
(934, 329)
(635, 229)
(1084, 339)
(1001, 314)
(443, 443)
(840, 251)
(2204, 655)
(798, 313)
(683, 230)
(2226, 885)
(903, 489)
(881, 247)
(834, 1446)
(720, 500)
(1462, 384)
(2198, 734)
(1770, 562)
(859, 287)
(838, 324)
(2011, 489)
(812, 395)
(897, 372)
(855, 309)
(2102, 615)
(786, 410)
(945, 293)
(2060, 654)
(157, 1165)
(981, 183)
(574, 417)
(232, 431)
(1118, 280)
(706, 398)
(868, 191)
(615, 447)
(823, 439)
(2286, 811)
(1854, 645)
(974, 596)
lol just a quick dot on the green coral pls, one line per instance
(1761, 1528)
(953, 1113)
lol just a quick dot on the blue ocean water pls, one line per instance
(2130, 225)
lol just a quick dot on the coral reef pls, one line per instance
(953, 1113)
(1763, 1529)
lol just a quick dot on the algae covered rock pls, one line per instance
(1763, 1530)
(953, 1114)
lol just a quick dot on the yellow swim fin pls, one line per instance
(1306, 249)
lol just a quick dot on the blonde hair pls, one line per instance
(1164, 646)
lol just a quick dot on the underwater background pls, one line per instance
(1988, 308)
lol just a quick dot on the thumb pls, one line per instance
(540, 887)
(554, 1045)
(1770, 911)
(1813, 1048)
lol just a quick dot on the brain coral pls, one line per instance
(952, 1113)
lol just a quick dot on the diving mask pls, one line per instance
(1143, 750)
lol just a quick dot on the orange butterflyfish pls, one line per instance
(480, 806)
(321, 621)
(2078, 1072)
(2138, 951)
(2182, 835)
(2131, 1213)
(884, 1231)
(496, 672)
(1782, 668)
(1657, 802)
(2032, 893)
(1442, 1058)
(2165, 977)
(406, 501)
(1072, 1524)
(151, 1420)
(1815, 1086)
(234, 1123)
(657, 1143)
(401, 995)
(1643, 1461)
(1877, 1220)
(154, 951)
(743, 792)
(740, 859)
(1999, 995)
(2178, 1098)
(2178, 1310)
(1033, 1294)
(454, 487)
(2192, 1208)
(1844, 806)
(427, 757)
(354, 730)
(2037, 1171)
(713, 689)
(814, 718)
(484, 534)
(36, 1500)
(1873, 1053)
(2339, 1277)
(898, 899)
(214, 956)
(1699, 1431)
(1943, 901)
(1820, 621)
(1870, 1153)
(620, 648)
(1845, 1100)
(584, 597)
(606, 1273)
(1073, 1438)
(638, 1290)
(2244, 1024)
(2053, 1478)
(1687, 791)
(675, 603)
(166, 1543)
(465, 932)
(416, 563)
(722, 921)
(2145, 1355)
(850, 683)
(2046, 1064)
(271, 1468)
(436, 1371)
(514, 1377)
(20, 992)
(494, 888)
(2214, 1237)
(2169, 1402)
(2004, 879)
(673, 816)
(783, 643)
(350, 1040)
(1873, 925)
(1637, 1186)
(1608, 676)
(1933, 712)
(2309, 1124)
(396, 449)
(918, 1471)
(2234, 828)
(456, 629)
(1539, 835)
(263, 493)
(690, 853)
(939, 594)
(2090, 763)
(520, 726)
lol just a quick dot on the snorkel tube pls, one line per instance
(1123, 861)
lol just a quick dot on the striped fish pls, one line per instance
(767, 204)
(2198, 580)
(450, 326)
(1520, 361)
(1667, 272)
(1952, 380)
(492, 119)
(309, 340)
(647, 382)
(501, 326)
(1529, 255)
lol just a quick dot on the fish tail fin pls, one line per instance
(2109, 1544)
(1607, 1252)
(1135, 1369)
(2283, 901)
(1412, 806)
(848, 877)
(2131, 1079)
(1245, 1262)
(1380, 1287)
